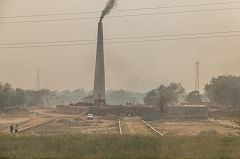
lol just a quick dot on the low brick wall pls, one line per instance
(187, 112)
(190, 112)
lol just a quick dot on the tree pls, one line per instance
(38, 98)
(120, 97)
(19, 97)
(224, 90)
(164, 95)
(6, 94)
(79, 92)
(10, 97)
(194, 97)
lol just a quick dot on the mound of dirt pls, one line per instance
(208, 132)
(17, 112)
(77, 119)
(109, 116)
(66, 122)
(72, 110)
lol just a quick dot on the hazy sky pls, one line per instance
(132, 66)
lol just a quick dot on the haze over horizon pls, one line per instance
(131, 66)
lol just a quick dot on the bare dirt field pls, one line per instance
(135, 126)
(47, 121)
(193, 128)
(73, 120)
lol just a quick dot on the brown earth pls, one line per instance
(73, 120)
(134, 126)
(193, 128)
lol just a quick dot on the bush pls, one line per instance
(194, 97)
(164, 95)
(224, 90)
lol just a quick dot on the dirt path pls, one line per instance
(193, 128)
(48, 113)
(134, 126)
(4, 128)
(27, 125)
(35, 124)
(225, 123)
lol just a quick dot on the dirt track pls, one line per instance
(134, 126)
(48, 121)
(193, 128)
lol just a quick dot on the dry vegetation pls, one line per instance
(134, 126)
(193, 128)
(66, 133)
(72, 120)
(115, 146)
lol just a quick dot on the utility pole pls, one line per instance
(99, 108)
(197, 76)
(38, 81)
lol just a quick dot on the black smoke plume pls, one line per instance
(110, 4)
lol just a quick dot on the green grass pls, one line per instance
(115, 146)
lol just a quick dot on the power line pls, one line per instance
(120, 42)
(126, 15)
(120, 38)
(123, 10)
(169, 39)
(45, 42)
(175, 12)
(180, 6)
(47, 20)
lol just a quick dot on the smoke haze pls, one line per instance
(130, 66)
(110, 4)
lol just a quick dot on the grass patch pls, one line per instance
(115, 146)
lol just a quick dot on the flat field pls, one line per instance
(194, 128)
(73, 120)
(116, 146)
(66, 133)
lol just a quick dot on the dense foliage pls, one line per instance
(194, 97)
(164, 95)
(113, 97)
(67, 96)
(10, 97)
(224, 90)
(119, 97)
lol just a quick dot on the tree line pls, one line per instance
(223, 90)
(11, 97)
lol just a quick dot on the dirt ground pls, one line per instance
(48, 122)
(134, 126)
(73, 120)
(193, 128)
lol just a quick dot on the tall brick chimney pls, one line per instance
(99, 96)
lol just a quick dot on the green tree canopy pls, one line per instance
(224, 90)
(194, 97)
(164, 95)
(11, 97)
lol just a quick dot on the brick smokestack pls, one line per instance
(99, 96)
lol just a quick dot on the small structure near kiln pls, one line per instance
(189, 112)
(181, 112)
